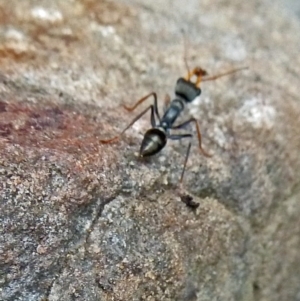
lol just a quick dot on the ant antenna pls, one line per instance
(185, 46)
(214, 77)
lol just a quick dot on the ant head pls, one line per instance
(154, 141)
(199, 72)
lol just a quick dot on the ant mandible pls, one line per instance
(186, 91)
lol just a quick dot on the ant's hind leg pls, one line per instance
(178, 137)
(185, 161)
(105, 141)
(140, 101)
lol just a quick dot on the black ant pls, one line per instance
(186, 91)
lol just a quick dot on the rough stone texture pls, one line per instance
(86, 221)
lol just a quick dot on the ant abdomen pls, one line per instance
(153, 142)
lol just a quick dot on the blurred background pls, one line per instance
(292, 6)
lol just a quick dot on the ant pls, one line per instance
(186, 91)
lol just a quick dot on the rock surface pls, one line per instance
(81, 220)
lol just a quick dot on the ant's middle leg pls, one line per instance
(183, 125)
(153, 123)
(167, 102)
(140, 101)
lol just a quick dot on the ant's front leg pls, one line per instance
(179, 137)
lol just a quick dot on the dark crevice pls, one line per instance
(62, 263)
(98, 214)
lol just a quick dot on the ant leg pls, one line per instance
(178, 137)
(167, 101)
(140, 101)
(183, 125)
(214, 77)
(153, 123)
